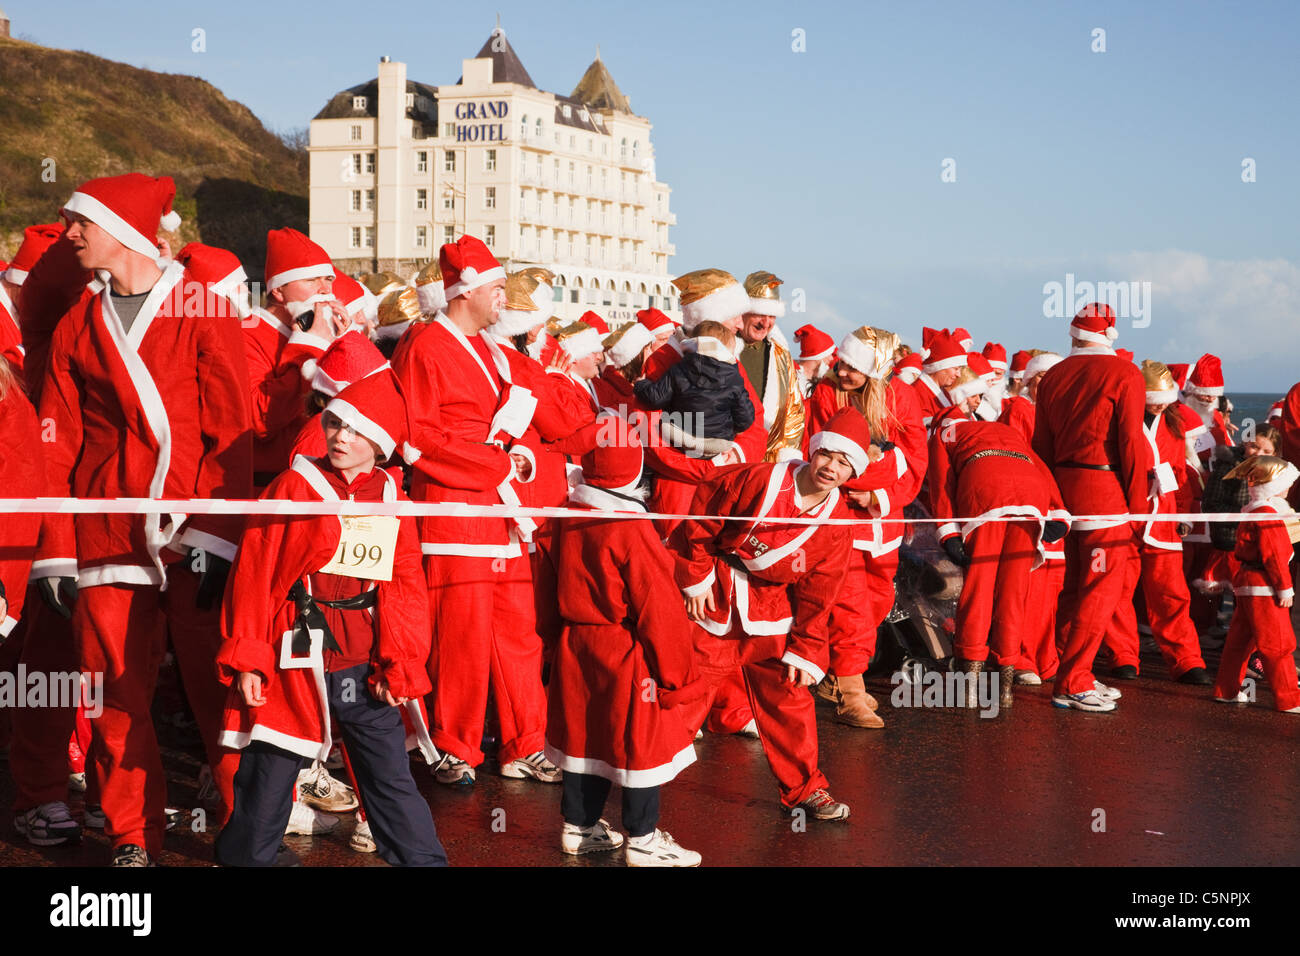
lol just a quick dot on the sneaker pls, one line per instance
(1110, 693)
(361, 840)
(1197, 677)
(453, 770)
(175, 817)
(822, 806)
(49, 824)
(130, 854)
(93, 817)
(535, 765)
(318, 789)
(659, 849)
(1090, 700)
(306, 820)
(1241, 698)
(576, 840)
(1028, 679)
(750, 729)
(77, 782)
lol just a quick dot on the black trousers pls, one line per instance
(584, 801)
(373, 733)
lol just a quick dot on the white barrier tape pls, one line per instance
(279, 506)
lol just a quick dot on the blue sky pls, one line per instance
(824, 166)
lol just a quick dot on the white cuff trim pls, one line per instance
(54, 568)
(300, 337)
(793, 659)
(193, 538)
(695, 590)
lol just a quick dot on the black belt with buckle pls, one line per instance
(309, 616)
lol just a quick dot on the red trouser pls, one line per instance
(484, 634)
(995, 592)
(865, 600)
(38, 755)
(546, 606)
(1164, 591)
(121, 631)
(1096, 568)
(1258, 623)
(784, 712)
(1038, 646)
(731, 710)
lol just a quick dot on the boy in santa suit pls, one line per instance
(816, 349)
(984, 471)
(145, 399)
(467, 414)
(862, 382)
(1263, 587)
(1088, 431)
(623, 666)
(315, 634)
(761, 593)
(660, 325)
(1160, 565)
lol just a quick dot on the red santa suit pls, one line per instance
(983, 471)
(159, 412)
(1088, 431)
(11, 336)
(773, 586)
(1018, 412)
(465, 416)
(22, 475)
(1160, 566)
(1262, 578)
(1288, 423)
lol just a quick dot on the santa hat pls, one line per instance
(291, 256)
(848, 433)
(1275, 410)
(350, 358)
(626, 344)
(617, 460)
(578, 340)
(1161, 387)
(964, 339)
(1179, 371)
(467, 264)
(909, 368)
(870, 351)
(1267, 475)
(969, 383)
(595, 322)
(814, 344)
(36, 239)
(996, 355)
(1095, 323)
(944, 352)
(928, 335)
(1040, 363)
(219, 270)
(429, 290)
(1018, 363)
(373, 407)
(656, 321)
(131, 208)
(521, 311)
(980, 366)
(1206, 376)
(355, 298)
(764, 295)
(710, 295)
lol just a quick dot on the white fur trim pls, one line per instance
(91, 208)
(772, 307)
(15, 275)
(347, 413)
(819, 357)
(171, 221)
(431, 296)
(1167, 397)
(1101, 338)
(1214, 390)
(956, 361)
(532, 462)
(119, 574)
(586, 342)
(54, 568)
(471, 278)
(854, 353)
(700, 587)
(714, 349)
(299, 337)
(317, 271)
(909, 375)
(1275, 488)
(834, 441)
(467, 550)
(515, 322)
(649, 777)
(543, 297)
(719, 305)
(602, 500)
(629, 345)
(959, 393)
(808, 667)
(997, 365)
(193, 538)
(1041, 363)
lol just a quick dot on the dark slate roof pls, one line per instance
(506, 66)
(340, 105)
(574, 118)
(598, 89)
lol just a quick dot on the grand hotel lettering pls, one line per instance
(481, 132)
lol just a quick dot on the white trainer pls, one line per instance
(659, 849)
(1028, 679)
(1105, 690)
(318, 789)
(576, 840)
(305, 820)
(453, 770)
(362, 840)
(535, 765)
(1089, 700)
(1241, 698)
(49, 824)
(750, 729)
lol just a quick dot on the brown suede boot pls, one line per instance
(972, 685)
(857, 708)
(1006, 685)
(829, 690)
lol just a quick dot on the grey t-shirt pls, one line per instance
(128, 307)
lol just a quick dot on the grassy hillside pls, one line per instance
(94, 117)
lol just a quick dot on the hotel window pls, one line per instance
(490, 161)
(589, 179)
(356, 237)
(410, 101)
(490, 197)
(568, 112)
(370, 200)
(573, 142)
(356, 162)
(636, 146)
(604, 149)
(356, 132)
(422, 199)
(449, 130)
(448, 234)
(523, 126)
(448, 200)
(538, 126)
(523, 198)
(370, 162)
(557, 171)
(370, 237)
(490, 236)
(356, 200)
(422, 161)
(572, 176)
(449, 161)
(622, 150)
(421, 237)
(358, 102)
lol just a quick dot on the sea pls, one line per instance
(1252, 405)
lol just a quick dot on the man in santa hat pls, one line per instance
(816, 349)
(467, 415)
(761, 593)
(1016, 371)
(136, 353)
(661, 325)
(765, 357)
(1202, 393)
(944, 358)
(1088, 429)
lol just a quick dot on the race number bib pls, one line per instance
(365, 548)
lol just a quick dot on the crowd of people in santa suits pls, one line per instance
(715, 572)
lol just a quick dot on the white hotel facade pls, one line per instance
(398, 167)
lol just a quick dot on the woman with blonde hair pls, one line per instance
(863, 379)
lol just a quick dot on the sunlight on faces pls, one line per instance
(945, 377)
(300, 290)
(588, 366)
(755, 327)
(486, 302)
(662, 338)
(347, 450)
(827, 470)
(94, 247)
(1259, 445)
(850, 379)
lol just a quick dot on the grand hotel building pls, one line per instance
(566, 182)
